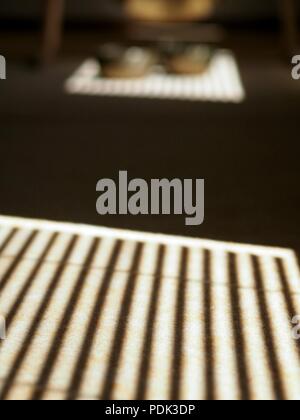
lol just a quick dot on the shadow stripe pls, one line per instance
(179, 327)
(238, 331)
(28, 283)
(117, 346)
(208, 338)
(37, 319)
(17, 260)
(265, 320)
(152, 315)
(58, 340)
(89, 338)
(291, 309)
(297, 255)
(8, 240)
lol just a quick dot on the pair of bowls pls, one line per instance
(123, 62)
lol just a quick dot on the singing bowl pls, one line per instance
(168, 10)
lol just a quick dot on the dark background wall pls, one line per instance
(79, 9)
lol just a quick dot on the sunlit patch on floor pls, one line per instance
(220, 83)
(104, 313)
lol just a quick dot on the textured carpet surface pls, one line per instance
(55, 146)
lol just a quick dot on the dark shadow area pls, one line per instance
(208, 337)
(179, 328)
(55, 147)
(238, 332)
(265, 320)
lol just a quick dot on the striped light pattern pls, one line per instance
(96, 313)
(220, 83)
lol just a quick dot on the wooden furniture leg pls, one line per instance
(52, 31)
(288, 13)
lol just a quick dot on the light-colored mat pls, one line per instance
(220, 83)
(102, 313)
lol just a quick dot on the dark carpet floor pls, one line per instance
(55, 147)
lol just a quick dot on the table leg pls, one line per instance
(288, 13)
(52, 31)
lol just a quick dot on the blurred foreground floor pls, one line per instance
(101, 313)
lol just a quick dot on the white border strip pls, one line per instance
(127, 235)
